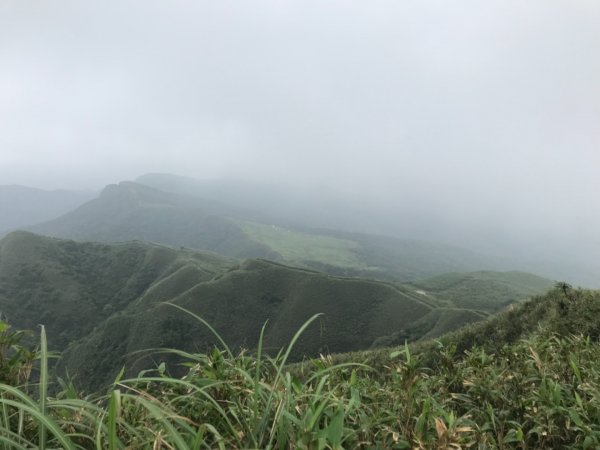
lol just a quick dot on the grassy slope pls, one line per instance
(238, 303)
(487, 291)
(405, 260)
(301, 248)
(573, 312)
(552, 313)
(356, 254)
(505, 392)
(110, 297)
(71, 287)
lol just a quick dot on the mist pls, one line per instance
(471, 123)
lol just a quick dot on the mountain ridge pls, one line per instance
(108, 300)
(131, 211)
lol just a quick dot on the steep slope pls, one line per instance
(72, 287)
(22, 206)
(105, 301)
(355, 313)
(561, 311)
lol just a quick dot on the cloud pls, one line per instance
(485, 114)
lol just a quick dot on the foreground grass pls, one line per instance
(536, 393)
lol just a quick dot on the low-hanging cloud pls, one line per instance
(482, 114)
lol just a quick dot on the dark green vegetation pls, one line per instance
(23, 206)
(464, 298)
(487, 291)
(73, 287)
(131, 211)
(101, 303)
(526, 379)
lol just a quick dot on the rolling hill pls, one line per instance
(131, 211)
(464, 298)
(484, 291)
(72, 287)
(237, 303)
(101, 303)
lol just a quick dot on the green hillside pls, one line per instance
(486, 291)
(72, 287)
(131, 211)
(560, 312)
(237, 303)
(464, 298)
(303, 248)
(107, 301)
(528, 378)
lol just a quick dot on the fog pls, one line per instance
(469, 122)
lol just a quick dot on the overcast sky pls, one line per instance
(489, 109)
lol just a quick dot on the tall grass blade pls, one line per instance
(5, 421)
(206, 324)
(43, 386)
(114, 410)
(27, 405)
(282, 363)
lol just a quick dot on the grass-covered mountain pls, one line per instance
(22, 206)
(528, 378)
(483, 291)
(559, 312)
(131, 211)
(107, 301)
(464, 298)
(72, 287)
(237, 303)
